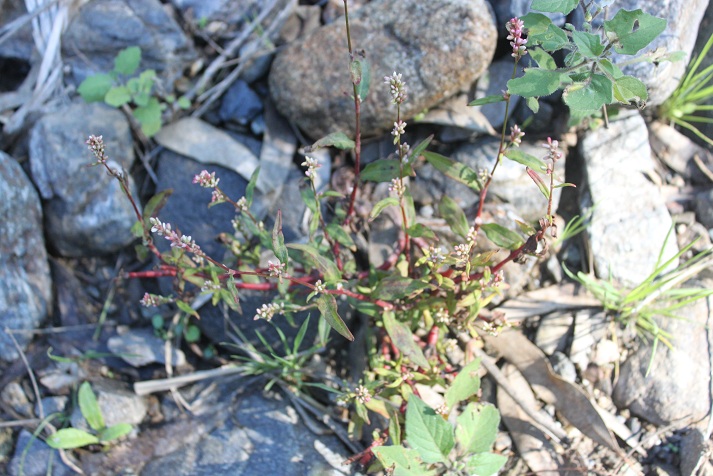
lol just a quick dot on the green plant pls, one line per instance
(69, 438)
(118, 88)
(692, 96)
(432, 288)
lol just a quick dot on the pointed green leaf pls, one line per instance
(278, 239)
(185, 307)
(633, 30)
(501, 236)
(455, 170)
(517, 155)
(536, 23)
(418, 230)
(544, 59)
(628, 88)
(487, 100)
(250, 189)
(327, 306)
(418, 150)
(69, 438)
(127, 60)
(90, 407)
(155, 204)
(405, 461)
(397, 287)
(454, 216)
(335, 139)
(381, 204)
(365, 81)
(536, 82)
(338, 233)
(533, 104)
(589, 45)
(465, 385)
(539, 182)
(477, 428)
(324, 265)
(383, 170)
(402, 338)
(590, 95)
(485, 464)
(94, 88)
(427, 432)
(553, 6)
(115, 432)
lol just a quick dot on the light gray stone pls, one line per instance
(139, 347)
(436, 55)
(630, 221)
(117, 405)
(25, 283)
(86, 212)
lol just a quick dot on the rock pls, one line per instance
(494, 82)
(295, 215)
(455, 114)
(139, 347)
(14, 397)
(695, 453)
(676, 388)
(683, 18)
(102, 28)
(589, 328)
(86, 212)
(51, 405)
(511, 184)
(703, 204)
(630, 222)
(278, 149)
(563, 366)
(240, 104)
(117, 405)
(263, 436)
(18, 46)
(25, 284)
(437, 57)
(38, 458)
(678, 152)
(553, 332)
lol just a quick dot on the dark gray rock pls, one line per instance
(38, 460)
(139, 347)
(86, 211)
(25, 283)
(511, 184)
(683, 18)
(630, 221)
(263, 436)
(437, 56)
(240, 104)
(20, 45)
(704, 208)
(102, 28)
(674, 387)
(494, 82)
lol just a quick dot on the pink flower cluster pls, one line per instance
(177, 241)
(96, 145)
(514, 27)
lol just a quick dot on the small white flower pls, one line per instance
(362, 394)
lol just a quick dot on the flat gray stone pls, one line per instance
(139, 347)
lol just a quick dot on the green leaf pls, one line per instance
(365, 82)
(455, 170)
(536, 82)
(465, 385)
(544, 59)
(184, 103)
(487, 100)
(589, 95)
(155, 204)
(628, 88)
(539, 182)
(406, 462)
(250, 189)
(69, 438)
(90, 407)
(553, 6)
(192, 334)
(117, 96)
(335, 139)
(324, 265)
(149, 117)
(427, 432)
(115, 432)
(485, 464)
(552, 39)
(381, 204)
(517, 155)
(630, 31)
(397, 287)
(278, 239)
(501, 236)
(127, 60)
(402, 337)
(300, 336)
(418, 230)
(383, 170)
(477, 428)
(185, 307)
(454, 216)
(327, 306)
(536, 23)
(94, 88)
(533, 104)
(589, 45)
(338, 233)
(418, 150)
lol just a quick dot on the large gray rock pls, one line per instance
(683, 18)
(676, 386)
(39, 460)
(104, 27)
(86, 211)
(630, 221)
(511, 184)
(25, 283)
(437, 56)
